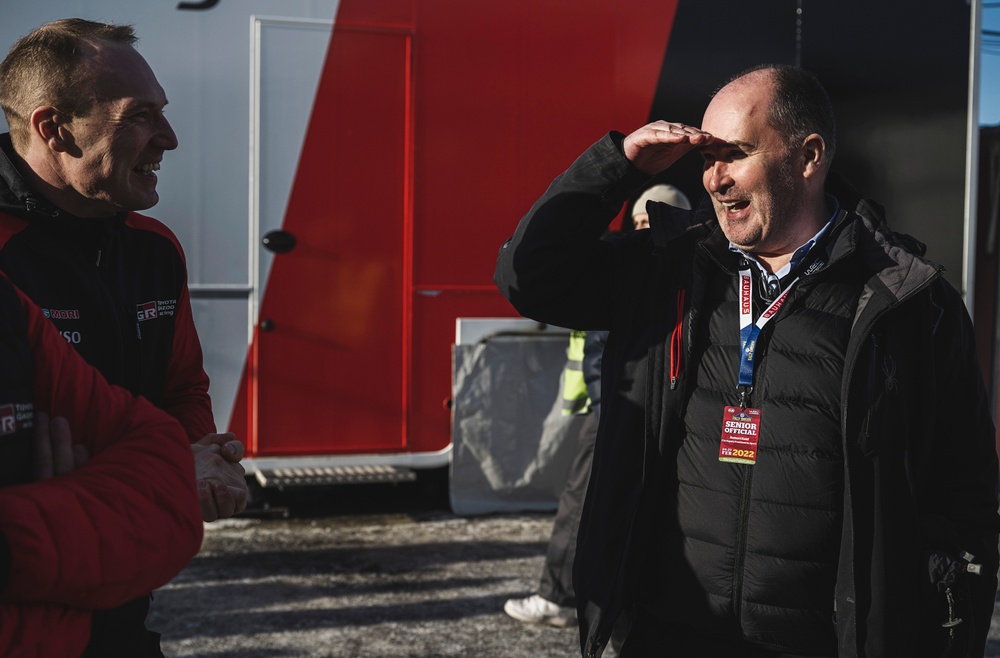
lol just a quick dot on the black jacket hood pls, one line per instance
(19, 199)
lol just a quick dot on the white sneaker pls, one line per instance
(536, 610)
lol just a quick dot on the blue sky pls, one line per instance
(989, 81)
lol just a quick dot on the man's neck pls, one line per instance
(774, 262)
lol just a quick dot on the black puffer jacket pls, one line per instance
(919, 465)
(758, 539)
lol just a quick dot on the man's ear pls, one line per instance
(48, 125)
(814, 155)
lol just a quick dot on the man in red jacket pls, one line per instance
(87, 134)
(77, 537)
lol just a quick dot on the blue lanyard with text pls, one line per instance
(750, 330)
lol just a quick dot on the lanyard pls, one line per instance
(750, 330)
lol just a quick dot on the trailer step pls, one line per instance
(281, 478)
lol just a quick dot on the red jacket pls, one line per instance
(119, 527)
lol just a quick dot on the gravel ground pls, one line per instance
(357, 572)
(381, 582)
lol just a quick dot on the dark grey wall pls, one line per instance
(896, 70)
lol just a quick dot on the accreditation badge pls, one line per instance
(740, 432)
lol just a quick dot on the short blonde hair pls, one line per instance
(48, 67)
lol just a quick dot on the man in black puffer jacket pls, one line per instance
(796, 455)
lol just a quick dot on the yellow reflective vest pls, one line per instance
(575, 399)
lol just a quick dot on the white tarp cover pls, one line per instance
(512, 446)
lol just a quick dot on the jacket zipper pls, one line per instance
(741, 545)
(676, 341)
(123, 322)
(870, 411)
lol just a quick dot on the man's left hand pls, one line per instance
(221, 479)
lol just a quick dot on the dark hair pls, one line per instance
(47, 67)
(800, 106)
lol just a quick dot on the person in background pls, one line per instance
(796, 455)
(97, 496)
(87, 136)
(554, 602)
(660, 192)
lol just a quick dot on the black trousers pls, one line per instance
(556, 583)
(121, 633)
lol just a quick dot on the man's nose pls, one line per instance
(717, 178)
(166, 138)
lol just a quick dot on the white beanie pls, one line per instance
(661, 192)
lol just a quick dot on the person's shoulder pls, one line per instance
(146, 223)
(942, 294)
(10, 295)
(150, 225)
(18, 313)
(10, 225)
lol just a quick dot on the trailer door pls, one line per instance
(331, 332)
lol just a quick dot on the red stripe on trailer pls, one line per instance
(435, 126)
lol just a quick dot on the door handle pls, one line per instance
(278, 241)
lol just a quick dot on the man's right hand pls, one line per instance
(656, 146)
(55, 453)
(222, 485)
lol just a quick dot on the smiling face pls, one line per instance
(755, 180)
(114, 150)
